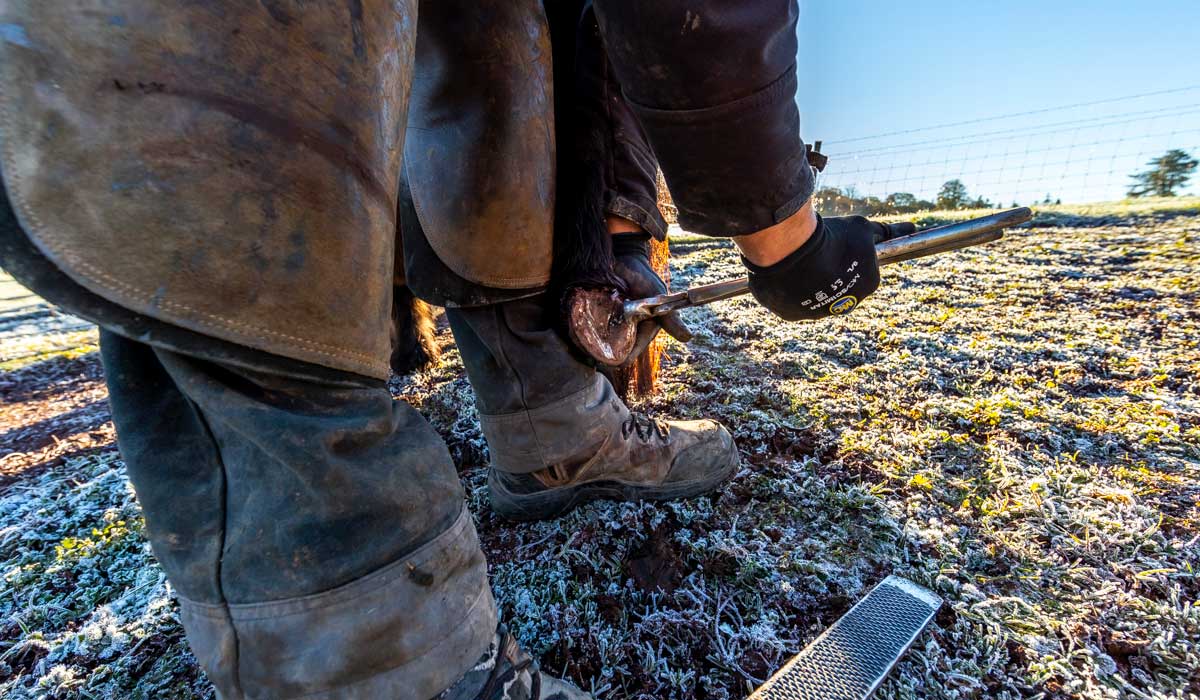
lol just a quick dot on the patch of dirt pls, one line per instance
(53, 410)
(655, 565)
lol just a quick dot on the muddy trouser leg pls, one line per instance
(315, 533)
(538, 404)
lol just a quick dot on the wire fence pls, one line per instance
(1082, 152)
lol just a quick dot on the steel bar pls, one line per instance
(932, 241)
(921, 243)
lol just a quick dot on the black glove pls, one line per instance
(632, 254)
(830, 274)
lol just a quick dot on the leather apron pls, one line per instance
(227, 167)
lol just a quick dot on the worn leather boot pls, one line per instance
(505, 672)
(644, 459)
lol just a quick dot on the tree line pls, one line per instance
(834, 201)
(1165, 176)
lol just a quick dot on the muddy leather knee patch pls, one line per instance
(408, 630)
(481, 145)
(156, 159)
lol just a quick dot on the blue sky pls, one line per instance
(869, 67)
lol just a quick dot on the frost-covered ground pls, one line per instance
(1016, 427)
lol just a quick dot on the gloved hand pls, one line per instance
(632, 254)
(830, 274)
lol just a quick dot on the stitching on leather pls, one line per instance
(100, 277)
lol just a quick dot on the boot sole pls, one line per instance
(553, 503)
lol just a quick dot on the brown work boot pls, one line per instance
(505, 672)
(645, 459)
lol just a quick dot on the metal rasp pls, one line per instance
(931, 241)
(851, 658)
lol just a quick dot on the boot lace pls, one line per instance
(498, 678)
(645, 426)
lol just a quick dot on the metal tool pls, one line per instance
(851, 658)
(931, 241)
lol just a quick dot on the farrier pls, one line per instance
(221, 186)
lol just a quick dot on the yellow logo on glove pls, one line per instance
(843, 305)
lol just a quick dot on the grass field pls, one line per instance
(1016, 427)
